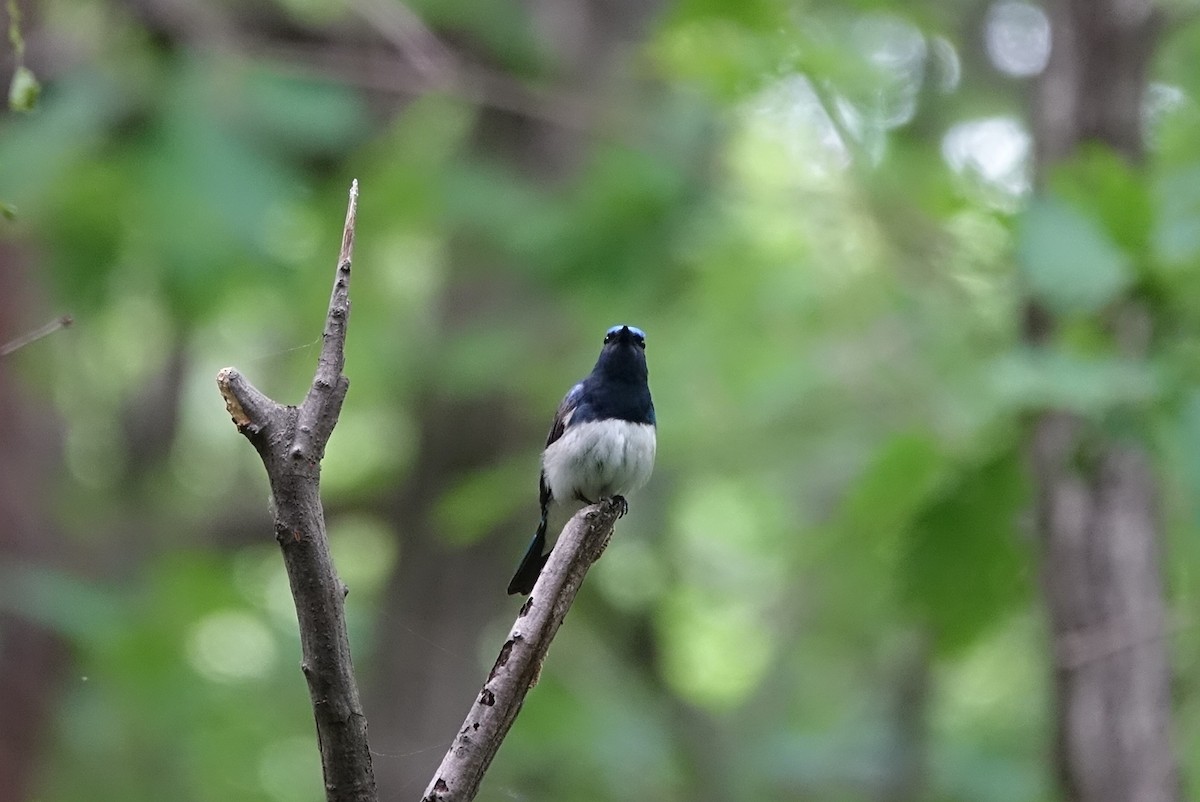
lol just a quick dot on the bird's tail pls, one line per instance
(531, 564)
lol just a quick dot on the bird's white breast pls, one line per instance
(599, 459)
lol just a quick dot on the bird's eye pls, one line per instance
(608, 338)
(641, 342)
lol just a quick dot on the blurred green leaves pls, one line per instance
(1058, 377)
(24, 90)
(891, 490)
(474, 506)
(832, 305)
(964, 567)
(1068, 260)
(714, 625)
(61, 602)
(189, 197)
(180, 671)
(1099, 182)
(943, 530)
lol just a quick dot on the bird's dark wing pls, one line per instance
(536, 555)
(562, 418)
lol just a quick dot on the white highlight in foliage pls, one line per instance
(789, 112)
(946, 65)
(1017, 36)
(995, 148)
(897, 48)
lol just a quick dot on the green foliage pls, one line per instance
(891, 490)
(1068, 261)
(23, 89)
(1111, 191)
(964, 567)
(473, 507)
(832, 296)
(1059, 377)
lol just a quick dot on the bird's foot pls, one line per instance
(622, 505)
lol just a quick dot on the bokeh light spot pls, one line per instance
(231, 646)
(1017, 37)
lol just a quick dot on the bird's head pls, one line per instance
(624, 353)
(625, 336)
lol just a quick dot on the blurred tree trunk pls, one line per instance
(33, 659)
(440, 592)
(1097, 516)
(907, 756)
(427, 665)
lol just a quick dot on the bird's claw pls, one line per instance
(622, 505)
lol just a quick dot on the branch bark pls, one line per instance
(519, 664)
(291, 442)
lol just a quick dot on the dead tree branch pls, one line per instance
(517, 668)
(291, 441)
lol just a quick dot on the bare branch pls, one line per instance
(517, 668)
(291, 442)
(320, 409)
(41, 331)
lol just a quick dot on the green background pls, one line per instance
(822, 215)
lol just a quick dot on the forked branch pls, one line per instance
(291, 441)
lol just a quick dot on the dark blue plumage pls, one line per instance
(601, 442)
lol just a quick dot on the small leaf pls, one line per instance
(8, 211)
(24, 90)
(1028, 379)
(1069, 261)
(1100, 183)
(964, 565)
(1176, 229)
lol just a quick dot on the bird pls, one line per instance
(601, 444)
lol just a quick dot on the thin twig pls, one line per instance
(291, 442)
(517, 668)
(42, 331)
(320, 409)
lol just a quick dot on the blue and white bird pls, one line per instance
(601, 443)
